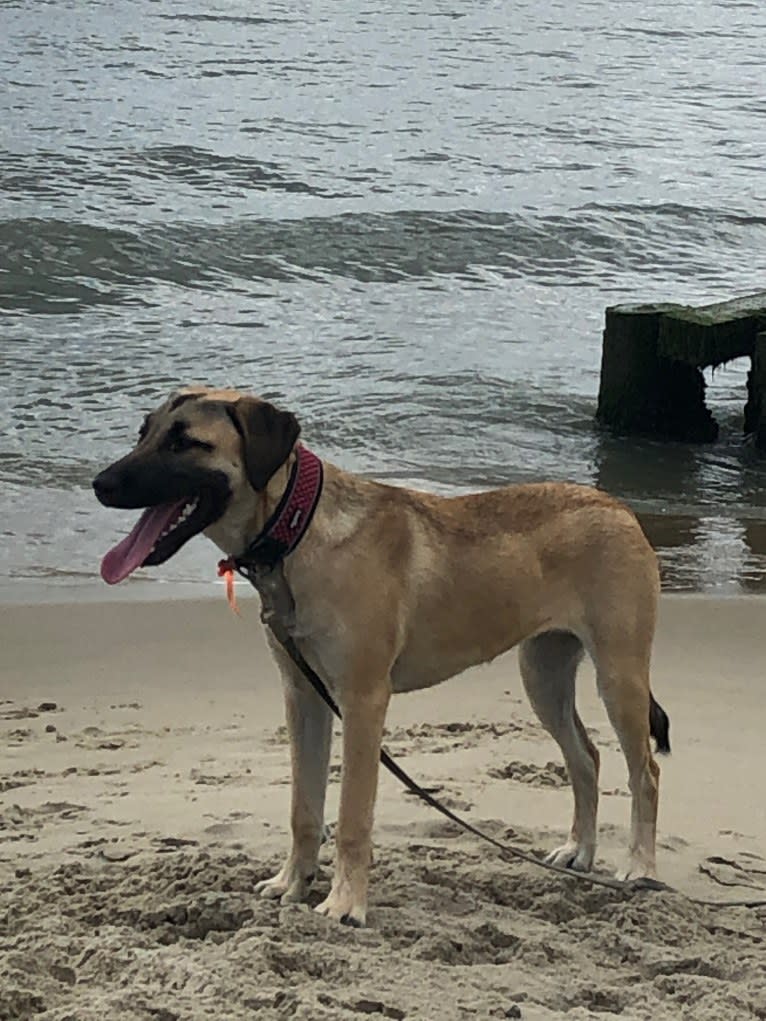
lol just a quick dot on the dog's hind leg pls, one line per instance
(309, 728)
(548, 667)
(623, 682)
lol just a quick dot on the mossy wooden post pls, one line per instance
(628, 367)
(652, 362)
(642, 392)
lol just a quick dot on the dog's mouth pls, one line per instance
(157, 535)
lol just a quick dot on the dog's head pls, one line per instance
(202, 463)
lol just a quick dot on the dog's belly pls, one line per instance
(411, 673)
(430, 658)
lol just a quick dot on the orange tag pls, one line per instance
(226, 571)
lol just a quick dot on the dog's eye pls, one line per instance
(180, 442)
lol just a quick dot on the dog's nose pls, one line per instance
(105, 486)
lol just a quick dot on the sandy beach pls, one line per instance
(144, 791)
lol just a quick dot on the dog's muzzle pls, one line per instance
(179, 500)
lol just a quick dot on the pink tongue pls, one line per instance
(129, 554)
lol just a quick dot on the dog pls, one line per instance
(394, 590)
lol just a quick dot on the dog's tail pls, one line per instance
(659, 726)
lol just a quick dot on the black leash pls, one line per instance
(277, 603)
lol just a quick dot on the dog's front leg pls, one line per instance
(364, 714)
(309, 728)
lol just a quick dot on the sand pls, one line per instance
(144, 792)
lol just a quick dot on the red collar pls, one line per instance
(292, 516)
(287, 525)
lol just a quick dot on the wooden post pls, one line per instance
(642, 392)
(626, 397)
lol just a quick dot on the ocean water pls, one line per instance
(403, 221)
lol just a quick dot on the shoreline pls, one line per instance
(698, 554)
(717, 550)
(35, 594)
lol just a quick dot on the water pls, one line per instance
(403, 221)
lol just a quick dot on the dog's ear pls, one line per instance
(268, 435)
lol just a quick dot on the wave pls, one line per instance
(55, 175)
(231, 19)
(50, 265)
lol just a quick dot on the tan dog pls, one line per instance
(396, 590)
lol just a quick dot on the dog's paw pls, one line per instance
(341, 906)
(636, 870)
(289, 885)
(573, 856)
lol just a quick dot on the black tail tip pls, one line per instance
(659, 726)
